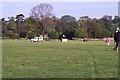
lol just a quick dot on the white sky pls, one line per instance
(59, 0)
(76, 8)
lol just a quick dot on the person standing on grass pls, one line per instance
(117, 39)
(108, 41)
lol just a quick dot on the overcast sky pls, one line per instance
(59, 0)
(76, 8)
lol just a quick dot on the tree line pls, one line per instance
(42, 22)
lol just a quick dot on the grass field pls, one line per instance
(74, 59)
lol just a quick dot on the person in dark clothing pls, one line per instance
(117, 39)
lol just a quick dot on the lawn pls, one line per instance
(54, 59)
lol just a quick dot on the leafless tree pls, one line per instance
(41, 11)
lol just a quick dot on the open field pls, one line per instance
(74, 59)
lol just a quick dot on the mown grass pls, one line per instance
(74, 59)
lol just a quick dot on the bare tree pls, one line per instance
(40, 12)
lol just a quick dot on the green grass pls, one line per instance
(74, 59)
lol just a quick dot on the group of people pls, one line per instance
(116, 40)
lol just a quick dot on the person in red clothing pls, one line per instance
(108, 41)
